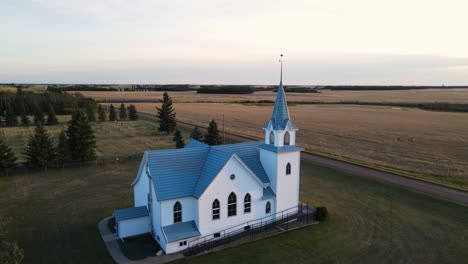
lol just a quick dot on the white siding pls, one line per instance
(220, 189)
(133, 227)
(140, 189)
(188, 210)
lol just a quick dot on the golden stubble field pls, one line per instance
(408, 96)
(404, 138)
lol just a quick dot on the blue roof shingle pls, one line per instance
(177, 173)
(130, 213)
(180, 231)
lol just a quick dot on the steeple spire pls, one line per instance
(281, 72)
(280, 117)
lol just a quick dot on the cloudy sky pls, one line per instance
(407, 42)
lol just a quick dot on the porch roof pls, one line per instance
(130, 213)
(180, 231)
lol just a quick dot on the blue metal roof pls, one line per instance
(280, 149)
(175, 172)
(130, 213)
(250, 155)
(213, 165)
(189, 171)
(280, 117)
(268, 193)
(194, 143)
(180, 231)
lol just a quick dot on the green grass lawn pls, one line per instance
(54, 218)
(369, 222)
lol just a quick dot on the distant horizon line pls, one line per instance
(217, 84)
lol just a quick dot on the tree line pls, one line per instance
(17, 108)
(76, 143)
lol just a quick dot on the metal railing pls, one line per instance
(294, 217)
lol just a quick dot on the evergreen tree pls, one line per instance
(132, 113)
(11, 119)
(197, 134)
(123, 112)
(90, 113)
(166, 115)
(38, 116)
(22, 112)
(63, 152)
(102, 114)
(81, 139)
(112, 113)
(11, 253)
(178, 139)
(51, 117)
(40, 151)
(213, 138)
(7, 158)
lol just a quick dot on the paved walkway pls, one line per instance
(114, 249)
(433, 189)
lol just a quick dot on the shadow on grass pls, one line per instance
(139, 247)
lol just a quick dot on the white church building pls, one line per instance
(182, 195)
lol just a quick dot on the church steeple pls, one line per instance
(280, 117)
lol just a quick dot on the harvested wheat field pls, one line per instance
(410, 139)
(406, 96)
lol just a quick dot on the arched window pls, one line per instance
(177, 212)
(286, 138)
(247, 203)
(268, 208)
(272, 138)
(216, 209)
(288, 168)
(232, 204)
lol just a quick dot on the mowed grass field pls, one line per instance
(114, 139)
(408, 96)
(427, 144)
(54, 217)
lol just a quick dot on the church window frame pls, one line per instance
(288, 169)
(232, 204)
(247, 203)
(216, 209)
(177, 212)
(272, 138)
(268, 208)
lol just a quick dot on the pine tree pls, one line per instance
(7, 158)
(123, 112)
(90, 113)
(166, 115)
(213, 138)
(132, 113)
(51, 117)
(40, 151)
(63, 152)
(197, 134)
(81, 139)
(11, 119)
(38, 116)
(178, 139)
(10, 252)
(102, 114)
(22, 113)
(112, 113)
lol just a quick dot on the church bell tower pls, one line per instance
(279, 154)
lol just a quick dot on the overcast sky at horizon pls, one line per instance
(399, 42)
